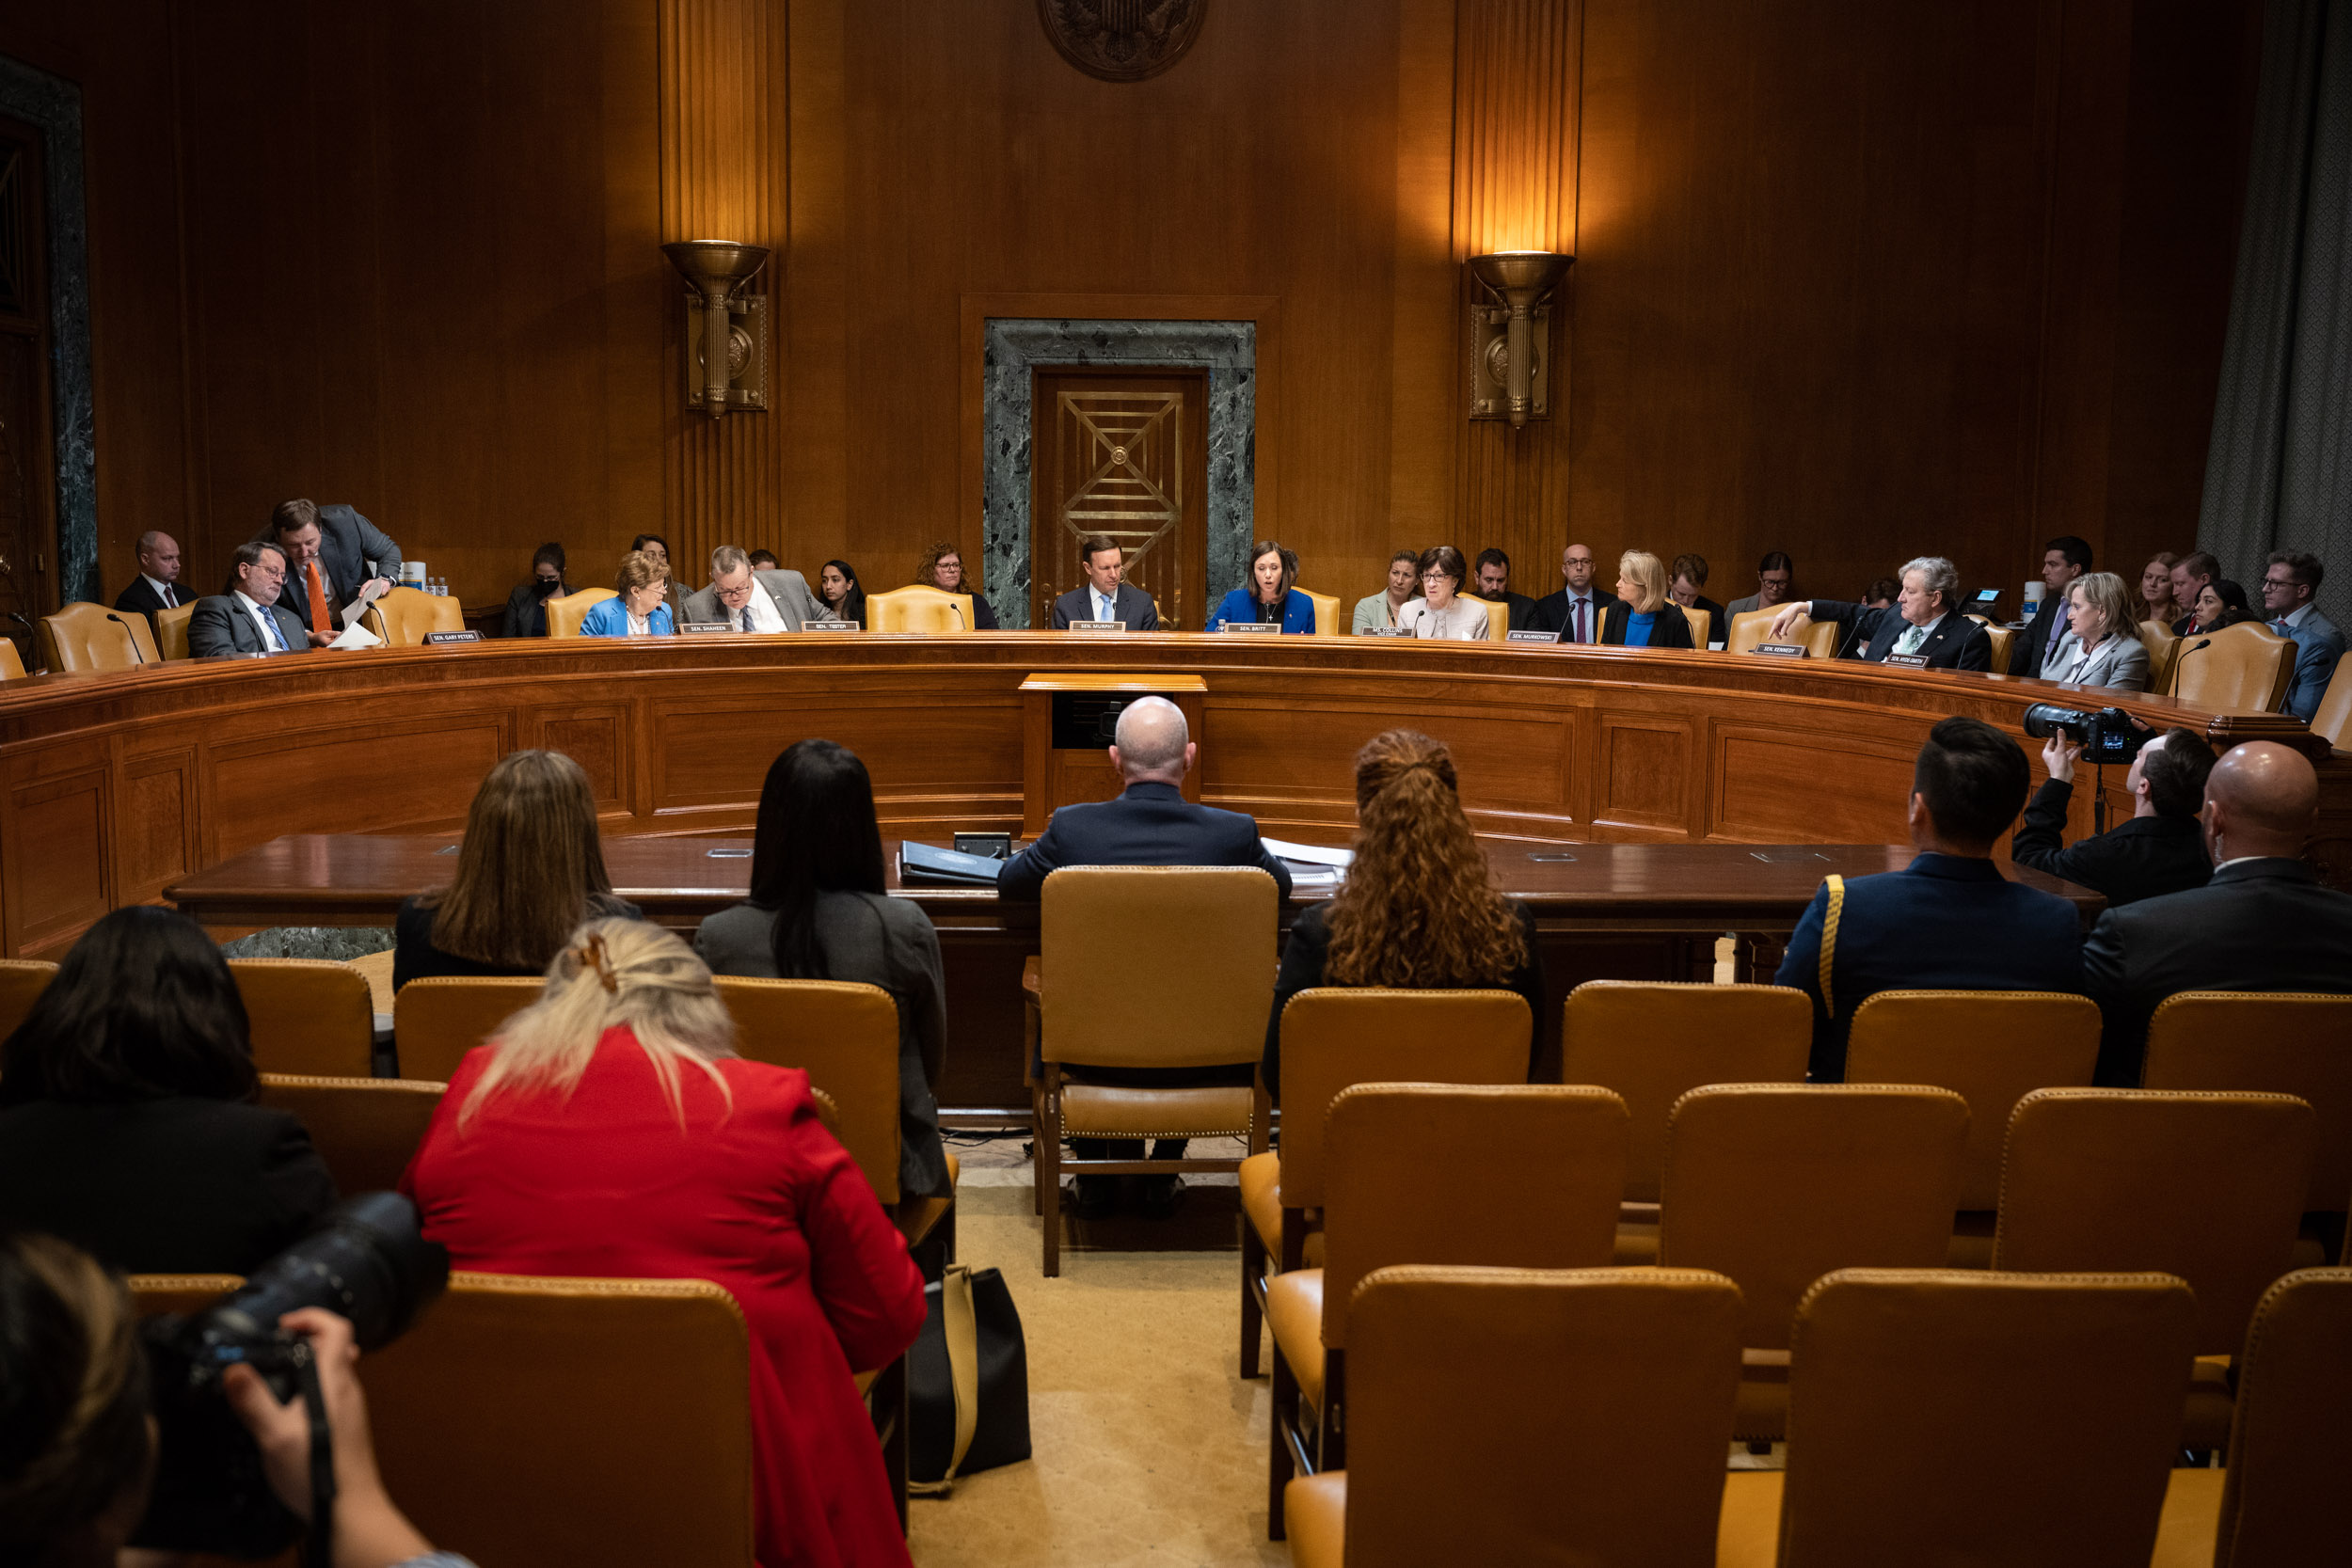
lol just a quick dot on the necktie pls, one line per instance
(1579, 618)
(1103, 608)
(269, 628)
(318, 593)
(172, 600)
(747, 617)
(2281, 627)
(1912, 639)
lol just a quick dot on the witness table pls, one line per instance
(1629, 912)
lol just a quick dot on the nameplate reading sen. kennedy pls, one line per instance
(1783, 650)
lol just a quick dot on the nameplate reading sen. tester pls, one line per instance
(699, 628)
(1908, 661)
(1250, 628)
(435, 639)
(831, 626)
(1098, 625)
(1527, 635)
(1783, 650)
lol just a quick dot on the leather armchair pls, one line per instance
(2246, 669)
(918, 607)
(845, 1036)
(2162, 645)
(309, 1017)
(436, 1020)
(1327, 609)
(91, 637)
(1497, 618)
(2000, 637)
(11, 662)
(367, 1130)
(171, 630)
(565, 614)
(2281, 1043)
(22, 981)
(401, 616)
(1752, 627)
(2333, 718)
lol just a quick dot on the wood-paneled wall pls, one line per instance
(1854, 281)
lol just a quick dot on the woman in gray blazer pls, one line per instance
(2101, 646)
(817, 911)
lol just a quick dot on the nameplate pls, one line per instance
(1531, 635)
(434, 638)
(831, 626)
(703, 628)
(1250, 628)
(1783, 650)
(995, 846)
(1908, 661)
(1386, 631)
(1098, 625)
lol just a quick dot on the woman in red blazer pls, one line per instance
(609, 1130)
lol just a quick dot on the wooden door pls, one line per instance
(28, 491)
(1123, 453)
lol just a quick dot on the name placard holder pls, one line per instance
(1386, 631)
(1908, 661)
(441, 639)
(831, 626)
(1782, 650)
(1251, 628)
(706, 628)
(1526, 635)
(1098, 628)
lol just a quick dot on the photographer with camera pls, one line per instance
(2160, 850)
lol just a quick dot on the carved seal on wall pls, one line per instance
(1123, 40)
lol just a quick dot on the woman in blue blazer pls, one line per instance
(640, 610)
(1269, 596)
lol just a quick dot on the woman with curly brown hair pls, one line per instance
(1418, 910)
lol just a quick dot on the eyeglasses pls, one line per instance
(1436, 576)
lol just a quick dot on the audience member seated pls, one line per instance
(336, 560)
(1881, 593)
(1377, 612)
(1442, 611)
(80, 1459)
(2218, 604)
(838, 592)
(611, 1131)
(2190, 574)
(1642, 615)
(751, 600)
(1106, 596)
(1150, 823)
(2153, 601)
(1689, 574)
(2101, 645)
(2288, 589)
(527, 606)
(530, 869)
(643, 585)
(1923, 624)
(247, 619)
(2065, 560)
(1419, 910)
(127, 1124)
(765, 561)
(942, 569)
(1492, 571)
(817, 911)
(2160, 850)
(1269, 596)
(1950, 920)
(1775, 584)
(1574, 611)
(673, 595)
(157, 586)
(2264, 923)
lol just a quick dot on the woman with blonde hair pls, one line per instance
(1418, 910)
(2101, 645)
(1645, 615)
(529, 868)
(611, 1131)
(643, 608)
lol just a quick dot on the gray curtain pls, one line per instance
(2279, 476)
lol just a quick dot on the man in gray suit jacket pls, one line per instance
(1106, 596)
(247, 619)
(2288, 589)
(750, 600)
(350, 553)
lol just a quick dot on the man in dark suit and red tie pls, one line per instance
(157, 586)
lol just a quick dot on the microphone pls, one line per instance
(129, 634)
(958, 611)
(2183, 654)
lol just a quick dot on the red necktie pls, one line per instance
(318, 593)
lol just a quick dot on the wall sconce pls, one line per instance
(718, 312)
(1507, 353)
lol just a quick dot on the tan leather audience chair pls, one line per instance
(1195, 949)
(1990, 1048)
(154, 1294)
(1335, 1037)
(1653, 1042)
(1523, 1177)
(438, 1020)
(2333, 720)
(1752, 627)
(2286, 1043)
(11, 662)
(1777, 1185)
(1954, 1418)
(2162, 645)
(2246, 670)
(401, 616)
(2206, 1187)
(171, 630)
(1328, 608)
(1606, 1447)
(91, 637)
(571, 1421)
(309, 1016)
(22, 981)
(918, 608)
(367, 1130)
(565, 614)
(2277, 1506)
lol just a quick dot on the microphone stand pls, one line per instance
(128, 636)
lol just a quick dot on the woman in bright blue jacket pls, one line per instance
(644, 584)
(1269, 596)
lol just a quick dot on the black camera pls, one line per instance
(2110, 734)
(368, 1261)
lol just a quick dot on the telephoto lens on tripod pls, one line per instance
(368, 1261)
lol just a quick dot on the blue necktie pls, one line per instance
(269, 624)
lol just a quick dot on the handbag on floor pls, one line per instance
(967, 1381)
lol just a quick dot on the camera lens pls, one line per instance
(2044, 719)
(368, 1261)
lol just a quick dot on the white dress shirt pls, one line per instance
(1462, 621)
(1916, 637)
(271, 636)
(641, 625)
(761, 608)
(166, 592)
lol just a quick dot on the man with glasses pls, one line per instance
(2288, 587)
(750, 600)
(1575, 611)
(247, 618)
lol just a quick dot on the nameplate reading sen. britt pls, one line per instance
(831, 626)
(1098, 625)
(434, 638)
(1783, 650)
(1908, 661)
(1251, 628)
(1526, 633)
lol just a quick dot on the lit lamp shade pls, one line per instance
(1522, 280)
(716, 268)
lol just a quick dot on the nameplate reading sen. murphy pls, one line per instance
(1908, 661)
(1783, 650)
(1250, 628)
(1098, 625)
(831, 626)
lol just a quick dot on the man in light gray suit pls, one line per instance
(2288, 586)
(750, 600)
(349, 551)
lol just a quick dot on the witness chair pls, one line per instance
(367, 1130)
(22, 981)
(11, 662)
(1520, 1177)
(1776, 1185)
(1194, 948)
(1990, 1048)
(1752, 627)
(402, 616)
(572, 1420)
(2162, 644)
(1963, 1418)
(1653, 1042)
(1328, 609)
(436, 1021)
(91, 637)
(309, 1017)
(918, 608)
(1336, 1036)
(2332, 722)
(1607, 1447)
(2206, 1187)
(2247, 669)
(171, 630)
(565, 614)
(2275, 1505)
